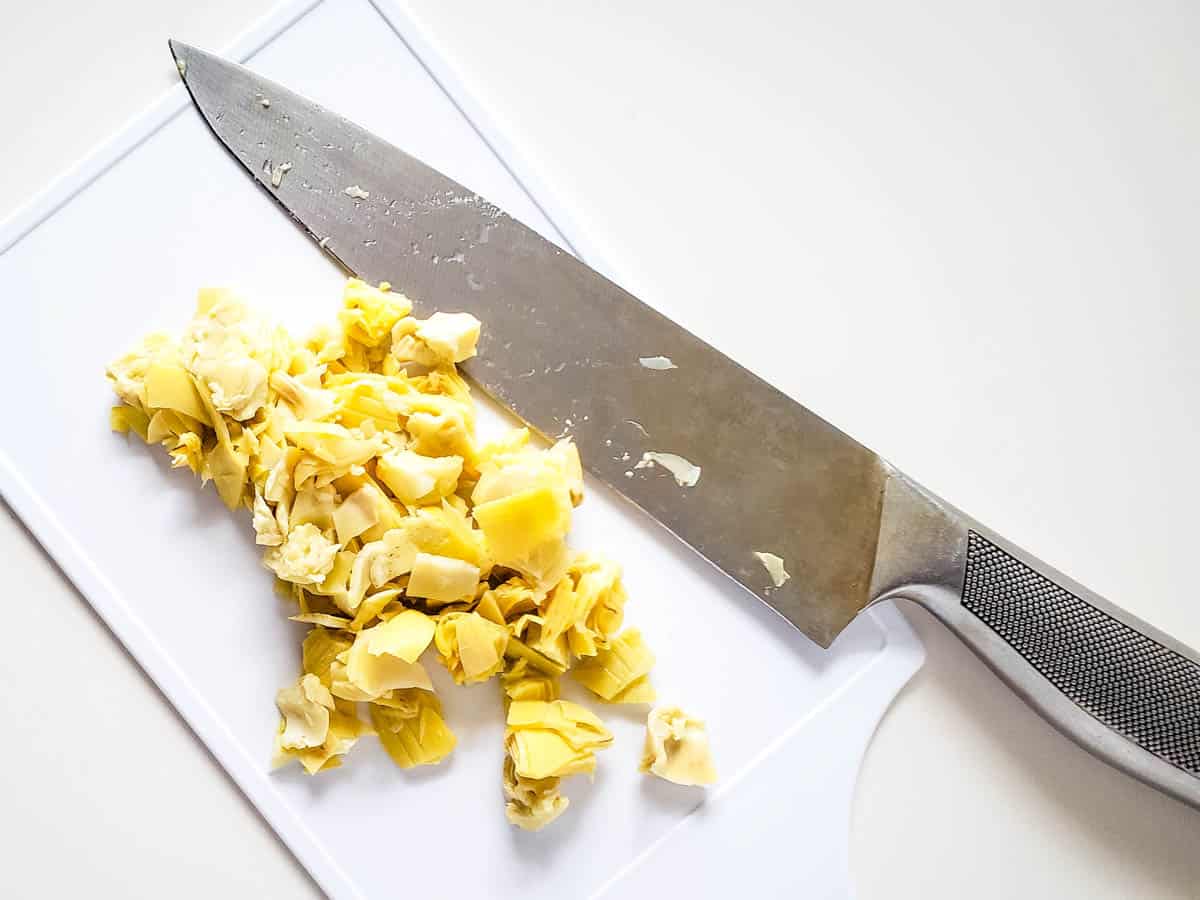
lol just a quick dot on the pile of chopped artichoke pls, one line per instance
(394, 531)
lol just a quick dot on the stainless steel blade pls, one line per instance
(562, 345)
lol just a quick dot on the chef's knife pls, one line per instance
(572, 353)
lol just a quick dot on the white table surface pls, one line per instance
(1003, 193)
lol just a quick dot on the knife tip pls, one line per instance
(180, 51)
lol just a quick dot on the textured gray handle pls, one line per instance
(1114, 684)
(1130, 682)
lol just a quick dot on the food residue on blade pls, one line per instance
(686, 474)
(278, 172)
(774, 566)
(357, 193)
(323, 243)
(264, 102)
(181, 65)
(398, 536)
(658, 363)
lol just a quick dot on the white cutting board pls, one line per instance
(118, 248)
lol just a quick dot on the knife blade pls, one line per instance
(561, 347)
(725, 461)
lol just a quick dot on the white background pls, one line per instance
(1000, 195)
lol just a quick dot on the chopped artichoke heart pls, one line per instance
(616, 668)
(442, 579)
(267, 532)
(440, 531)
(372, 606)
(231, 351)
(417, 738)
(356, 514)
(640, 690)
(532, 803)
(305, 708)
(314, 505)
(512, 598)
(227, 470)
(307, 401)
(320, 650)
(345, 728)
(445, 433)
(512, 468)
(519, 650)
(677, 748)
(369, 313)
(550, 739)
(169, 386)
(522, 682)
(306, 556)
(415, 479)
(332, 444)
(380, 561)
(404, 636)
(449, 337)
(336, 581)
(471, 647)
(517, 526)
(365, 675)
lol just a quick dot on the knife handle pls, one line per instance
(1123, 691)
(1117, 686)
